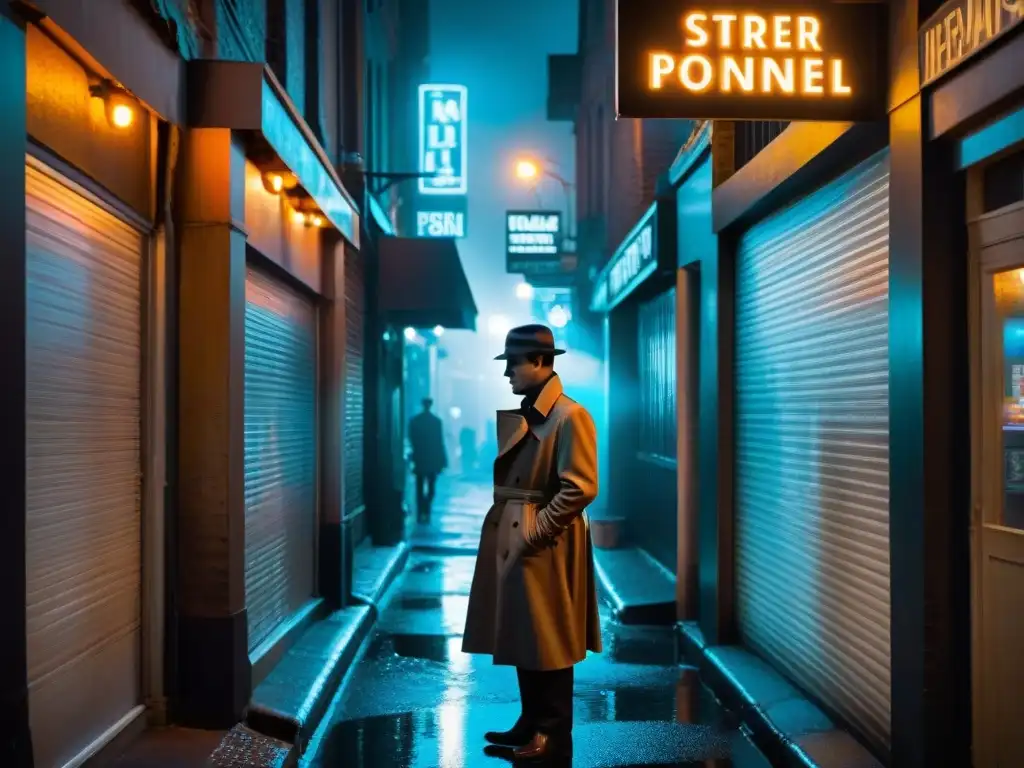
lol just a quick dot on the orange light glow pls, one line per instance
(298, 217)
(527, 169)
(122, 115)
(276, 182)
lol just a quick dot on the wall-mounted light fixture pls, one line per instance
(314, 220)
(119, 105)
(277, 182)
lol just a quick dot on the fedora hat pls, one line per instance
(529, 340)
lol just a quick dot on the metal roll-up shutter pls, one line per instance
(83, 538)
(656, 344)
(812, 445)
(280, 452)
(355, 309)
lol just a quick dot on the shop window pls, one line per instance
(1003, 182)
(656, 378)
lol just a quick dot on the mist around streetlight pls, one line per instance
(527, 169)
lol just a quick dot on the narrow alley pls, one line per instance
(416, 700)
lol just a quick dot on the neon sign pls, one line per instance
(751, 58)
(443, 139)
(824, 61)
(440, 224)
(533, 242)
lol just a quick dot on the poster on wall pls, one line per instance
(818, 60)
(443, 156)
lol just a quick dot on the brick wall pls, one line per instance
(618, 161)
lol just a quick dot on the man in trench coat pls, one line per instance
(533, 603)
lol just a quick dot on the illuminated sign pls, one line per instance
(811, 61)
(960, 29)
(443, 139)
(440, 224)
(533, 241)
(648, 249)
(635, 257)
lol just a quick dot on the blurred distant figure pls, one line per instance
(489, 449)
(467, 442)
(426, 436)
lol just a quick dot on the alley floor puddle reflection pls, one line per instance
(416, 701)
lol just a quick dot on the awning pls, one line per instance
(245, 96)
(422, 283)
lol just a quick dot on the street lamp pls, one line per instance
(528, 169)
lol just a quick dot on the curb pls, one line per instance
(790, 730)
(287, 708)
(626, 611)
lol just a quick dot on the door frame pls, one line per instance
(985, 230)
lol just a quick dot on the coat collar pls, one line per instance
(513, 426)
(548, 396)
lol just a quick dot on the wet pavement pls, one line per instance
(416, 701)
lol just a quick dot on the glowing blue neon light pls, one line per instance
(443, 139)
(440, 224)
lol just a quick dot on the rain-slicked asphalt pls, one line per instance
(416, 701)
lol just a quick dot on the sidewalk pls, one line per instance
(457, 515)
(416, 701)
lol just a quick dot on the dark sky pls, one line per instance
(498, 50)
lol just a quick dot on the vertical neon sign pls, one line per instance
(443, 139)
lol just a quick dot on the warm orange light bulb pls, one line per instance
(122, 115)
(276, 182)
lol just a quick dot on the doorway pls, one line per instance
(997, 523)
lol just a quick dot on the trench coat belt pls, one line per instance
(503, 493)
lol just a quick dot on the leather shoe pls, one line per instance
(538, 748)
(516, 736)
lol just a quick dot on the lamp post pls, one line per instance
(533, 171)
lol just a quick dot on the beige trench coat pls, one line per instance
(533, 603)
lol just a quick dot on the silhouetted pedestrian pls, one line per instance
(426, 435)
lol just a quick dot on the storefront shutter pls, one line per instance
(812, 445)
(280, 451)
(656, 346)
(355, 309)
(83, 538)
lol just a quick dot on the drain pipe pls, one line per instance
(154, 532)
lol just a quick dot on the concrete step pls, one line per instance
(639, 589)
(375, 569)
(289, 704)
(788, 728)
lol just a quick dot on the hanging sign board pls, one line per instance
(443, 139)
(751, 61)
(961, 28)
(533, 242)
(441, 224)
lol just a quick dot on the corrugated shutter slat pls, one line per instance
(812, 445)
(83, 538)
(355, 308)
(280, 452)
